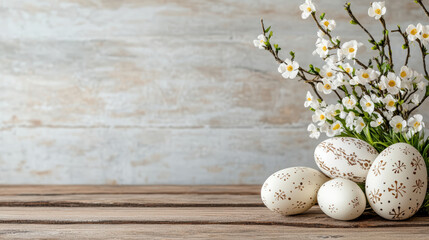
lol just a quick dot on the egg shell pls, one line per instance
(345, 157)
(397, 182)
(341, 199)
(292, 190)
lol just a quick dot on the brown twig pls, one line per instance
(423, 50)
(387, 40)
(404, 36)
(360, 63)
(423, 6)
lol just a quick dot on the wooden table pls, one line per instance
(174, 212)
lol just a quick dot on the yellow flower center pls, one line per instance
(351, 50)
(348, 70)
(365, 75)
(425, 35)
(261, 41)
(399, 125)
(309, 9)
(377, 11)
(416, 124)
(308, 99)
(326, 23)
(413, 31)
(289, 68)
(368, 104)
(322, 117)
(327, 86)
(392, 83)
(336, 127)
(329, 74)
(324, 48)
(391, 104)
(403, 74)
(350, 102)
(362, 124)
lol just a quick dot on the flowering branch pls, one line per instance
(387, 40)
(424, 53)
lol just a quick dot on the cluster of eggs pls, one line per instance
(395, 181)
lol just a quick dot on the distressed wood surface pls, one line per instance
(158, 92)
(121, 218)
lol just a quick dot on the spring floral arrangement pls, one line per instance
(375, 99)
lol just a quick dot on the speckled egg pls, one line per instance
(292, 190)
(341, 199)
(345, 157)
(397, 182)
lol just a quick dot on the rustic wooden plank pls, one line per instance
(314, 218)
(132, 200)
(150, 156)
(136, 231)
(52, 190)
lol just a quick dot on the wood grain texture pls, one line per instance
(123, 220)
(156, 92)
(152, 231)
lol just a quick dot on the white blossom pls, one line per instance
(350, 48)
(360, 124)
(406, 72)
(326, 86)
(322, 47)
(350, 120)
(328, 24)
(389, 101)
(315, 133)
(366, 104)
(289, 69)
(319, 117)
(335, 129)
(416, 122)
(425, 35)
(310, 101)
(377, 122)
(377, 10)
(366, 75)
(349, 102)
(414, 31)
(307, 8)
(415, 99)
(398, 124)
(347, 68)
(392, 83)
(332, 111)
(375, 99)
(260, 42)
(327, 72)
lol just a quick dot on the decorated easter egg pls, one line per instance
(292, 190)
(341, 199)
(345, 157)
(397, 182)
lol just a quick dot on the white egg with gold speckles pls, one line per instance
(397, 182)
(341, 199)
(292, 190)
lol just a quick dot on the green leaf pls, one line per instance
(404, 46)
(276, 46)
(353, 22)
(317, 70)
(322, 16)
(374, 47)
(268, 29)
(271, 34)
(386, 32)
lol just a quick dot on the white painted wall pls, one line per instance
(158, 92)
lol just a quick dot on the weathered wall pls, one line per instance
(157, 92)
